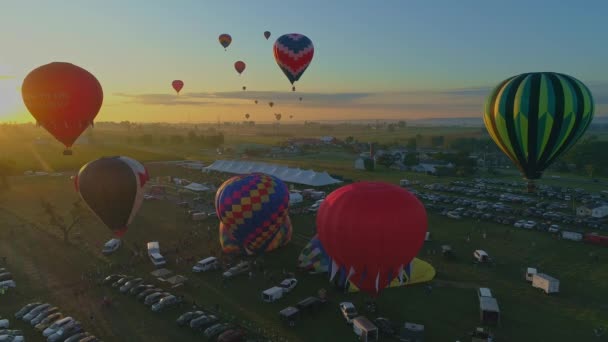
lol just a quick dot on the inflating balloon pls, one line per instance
(112, 187)
(177, 85)
(253, 211)
(536, 117)
(225, 39)
(239, 66)
(293, 53)
(63, 98)
(373, 230)
(267, 34)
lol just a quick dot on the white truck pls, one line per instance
(154, 254)
(546, 283)
(272, 294)
(574, 236)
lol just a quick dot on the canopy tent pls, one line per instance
(284, 173)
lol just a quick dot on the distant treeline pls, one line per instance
(202, 140)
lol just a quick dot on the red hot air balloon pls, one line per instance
(372, 230)
(177, 85)
(63, 98)
(267, 34)
(239, 66)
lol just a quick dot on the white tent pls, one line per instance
(284, 173)
(197, 187)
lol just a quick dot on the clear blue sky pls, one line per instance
(137, 47)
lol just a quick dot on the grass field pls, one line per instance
(47, 269)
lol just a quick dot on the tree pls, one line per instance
(411, 159)
(176, 139)
(402, 124)
(192, 136)
(437, 141)
(349, 139)
(7, 168)
(64, 225)
(391, 128)
(369, 164)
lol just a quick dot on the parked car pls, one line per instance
(68, 330)
(44, 314)
(113, 278)
(166, 302)
(145, 293)
(56, 326)
(385, 326)
(35, 311)
(207, 264)
(203, 322)
(188, 316)
(288, 284)
(49, 321)
(130, 284)
(519, 224)
(4, 323)
(11, 338)
(121, 281)
(77, 337)
(111, 246)
(26, 309)
(349, 311)
(155, 298)
(6, 276)
(484, 292)
(553, 228)
(242, 267)
(140, 288)
(232, 335)
(216, 330)
(154, 254)
(91, 338)
(529, 224)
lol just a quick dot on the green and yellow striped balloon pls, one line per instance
(535, 117)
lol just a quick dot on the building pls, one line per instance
(597, 211)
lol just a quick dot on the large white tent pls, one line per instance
(284, 173)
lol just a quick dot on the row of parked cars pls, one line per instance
(53, 324)
(210, 326)
(6, 280)
(9, 335)
(154, 297)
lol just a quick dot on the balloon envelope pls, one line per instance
(112, 187)
(293, 53)
(177, 85)
(253, 211)
(535, 117)
(267, 34)
(225, 40)
(63, 98)
(239, 66)
(372, 230)
(271, 104)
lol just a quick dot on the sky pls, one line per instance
(392, 59)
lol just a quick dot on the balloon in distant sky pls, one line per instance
(300, 98)
(291, 116)
(63, 98)
(225, 39)
(244, 88)
(239, 66)
(177, 85)
(372, 230)
(267, 34)
(247, 116)
(293, 53)
(256, 101)
(536, 117)
(278, 116)
(112, 187)
(271, 104)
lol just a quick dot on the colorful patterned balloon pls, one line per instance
(293, 53)
(225, 39)
(535, 117)
(253, 211)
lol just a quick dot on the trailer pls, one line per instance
(596, 239)
(489, 312)
(546, 283)
(574, 236)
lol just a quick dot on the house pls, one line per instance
(597, 211)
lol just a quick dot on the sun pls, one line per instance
(10, 97)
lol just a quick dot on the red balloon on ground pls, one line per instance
(63, 98)
(372, 230)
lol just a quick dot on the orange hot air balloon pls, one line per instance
(239, 66)
(63, 98)
(177, 85)
(271, 104)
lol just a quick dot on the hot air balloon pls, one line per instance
(271, 104)
(278, 116)
(372, 230)
(535, 117)
(247, 116)
(225, 39)
(63, 98)
(253, 211)
(300, 98)
(256, 101)
(291, 116)
(112, 187)
(239, 66)
(177, 85)
(293, 53)
(244, 88)
(267, 34)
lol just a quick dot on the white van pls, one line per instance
(111, 246)
(481, 256)
(154, 254)
(365, 329)
(199, 216)
(272, 294)
(207, 264)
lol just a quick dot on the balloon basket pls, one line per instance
(531, 187)
(67, 153)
